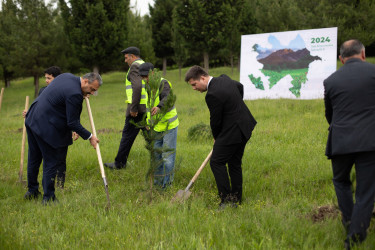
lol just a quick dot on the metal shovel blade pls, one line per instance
(181, 196)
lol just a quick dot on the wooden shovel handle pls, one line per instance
(94, 133)
(23, 141)
(1, 96)
(202, 166)
(199, 171)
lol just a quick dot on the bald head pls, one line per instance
(352, 49)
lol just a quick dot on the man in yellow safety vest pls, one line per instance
(136, 100)
(167, 127)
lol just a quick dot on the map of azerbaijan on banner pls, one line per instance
(291, 64)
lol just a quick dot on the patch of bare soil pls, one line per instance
(321, 213)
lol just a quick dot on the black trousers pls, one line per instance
(229, 190)
(129, 133)
(358, 214)
(52, 158)
(61, 171)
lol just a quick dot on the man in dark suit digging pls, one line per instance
(349, 96)
(231, 124)
(49, 123)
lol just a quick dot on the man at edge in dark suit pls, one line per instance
(231, 125)
(49, 124)
(349, 96)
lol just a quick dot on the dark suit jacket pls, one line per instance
(349, 96)
(41, 90)
(230, 119)
(56, 113)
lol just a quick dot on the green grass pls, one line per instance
(286, 178)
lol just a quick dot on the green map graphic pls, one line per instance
(280, 61)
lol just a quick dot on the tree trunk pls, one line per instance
(96, 69)
(164, 66)
(180, 69)
(36, 85)
(231, 61)
(7, 76)
(205, 60)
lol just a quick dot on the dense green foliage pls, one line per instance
(79, 34)
(7, 42)
(140, 36)
(161, 23)
(29, 42)
(97, 30)
(286, 179)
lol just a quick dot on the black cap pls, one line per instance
(145, 68)
(131, 50)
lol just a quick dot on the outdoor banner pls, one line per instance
(291, 64)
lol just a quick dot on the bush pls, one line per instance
(200, 132)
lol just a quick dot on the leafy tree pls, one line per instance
(97, 30)
(181, 53)
(140, 35)
(66, 57)
(7, 39)
(34, 26)
(161, 23)
(354, 19)
(201, 23)
(276, 15)
(238, 20)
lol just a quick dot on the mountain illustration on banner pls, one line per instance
(280, 61)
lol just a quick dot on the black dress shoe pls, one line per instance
(224, 205)
(47, 201)
(114, 165)
(32, 195)
(346, 245)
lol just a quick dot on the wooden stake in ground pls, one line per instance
(98, 152)
(23, 142)
(1, 96)
(183, 195)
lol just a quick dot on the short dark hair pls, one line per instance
(351, 48)
(195, 72)
(92, 77)
(54, 71)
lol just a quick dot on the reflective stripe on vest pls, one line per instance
(129, 88)
(170, 119)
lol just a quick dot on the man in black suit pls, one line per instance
(231, 124)
(349, 96)
(50, 74)
(49, 123)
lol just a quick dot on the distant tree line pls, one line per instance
(82, 35)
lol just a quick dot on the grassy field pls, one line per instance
(289, 200)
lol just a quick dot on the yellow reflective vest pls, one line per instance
(170, 119)
(129, 88)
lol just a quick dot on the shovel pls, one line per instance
(98, 153)
(183, 195)
(20, 173)
(1, 96)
